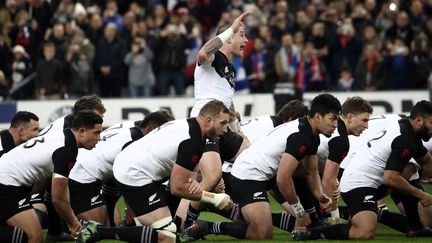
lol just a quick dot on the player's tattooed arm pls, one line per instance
(212, 46)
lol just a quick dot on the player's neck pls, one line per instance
(227, 52)
(15, 136)
(314, 125)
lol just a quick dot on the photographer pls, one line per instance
(141, 77)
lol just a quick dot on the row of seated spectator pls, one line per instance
(66, 49)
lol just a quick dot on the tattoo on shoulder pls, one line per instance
(212, 46)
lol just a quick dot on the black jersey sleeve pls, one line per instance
(189, 153)
(299, 145)
(64, 159)
(402, 150)
(211, 146)
(338, 148)
(421, 150)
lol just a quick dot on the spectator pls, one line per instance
(110, 53)
(310, 71)
(4, 88)
(417, 17)
(345, 82)
(369, 73)
(111, 15)
(256, 68)
(141, 77)
(21, 69)
(399, 66)
(8, 13)
(95, 31)
(286, 61)
(25, 34)
(80, 62)
(401, 29)
(129, 20)
(171, 59)
(421, 55)
(42, 13)
(50, 74)
(6, 57)
(58, 38)
(370, 36)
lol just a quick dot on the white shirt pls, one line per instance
(261, 160)
(96, 164)
(213, 81)
(152, 157)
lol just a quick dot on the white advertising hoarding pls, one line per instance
(119, 110)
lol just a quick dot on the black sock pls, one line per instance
(192, 215)
(43, 218)
(12, 234)
(111, 194)
(229, 214)
(332, 232)
(393, 220)
(410, 204)
(130, 234)
(234, 229)
(283, 221)
(312, 213)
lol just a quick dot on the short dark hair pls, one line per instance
(22, 117)
(86, 119)
(89, 102)
(292, 110)
(156, 118)
(422, 108)
(324, 104)
(213, 108)
(356, 105)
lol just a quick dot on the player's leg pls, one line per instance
(12, 234)
(28, 221)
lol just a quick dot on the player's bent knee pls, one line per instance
(259, 232)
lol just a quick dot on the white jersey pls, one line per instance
(259, 127)
(390, 148)
(213, 81)
(261, 160)
(152, 157)
(375, 125)
(38, 158)
(58, 125)
(96, 164)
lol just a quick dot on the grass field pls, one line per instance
(384, 234)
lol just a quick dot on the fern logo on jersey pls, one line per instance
(369, 199)
(153, 200)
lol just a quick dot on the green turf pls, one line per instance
(384, 234)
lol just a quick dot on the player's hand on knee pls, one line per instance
(194, 187)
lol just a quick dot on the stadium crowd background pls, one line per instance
(59, 49)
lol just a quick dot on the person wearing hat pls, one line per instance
(21, 68)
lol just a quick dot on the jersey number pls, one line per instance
(373, 139)
(33, 142)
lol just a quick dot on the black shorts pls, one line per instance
(14, 199)
(143, 199)
(245, 192)
(85, 196)
(227, 146)
(360, 199)
(226, 177)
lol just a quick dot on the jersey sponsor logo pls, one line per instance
(302, 149)
(70, 165)
(405, 152)
(258, 196)
(208, 141)
(153, 200)
(369, 199)
(94, 199)
(21, 203)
